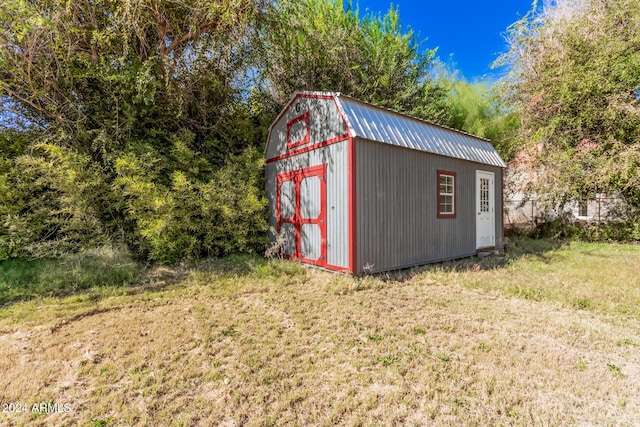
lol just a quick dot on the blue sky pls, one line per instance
(467, 33)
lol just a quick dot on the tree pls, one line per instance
(575, 74)
(103, 86)
(477, 108)
(123, 65)
(325, 45)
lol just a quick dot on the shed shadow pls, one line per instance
(514, 249)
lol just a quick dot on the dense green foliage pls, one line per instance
(135, 128)
(318, 45)
(142, 122)
(476, 108)
(575, 80)
(191, 217)
(616, 230)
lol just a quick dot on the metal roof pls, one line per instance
(382, 125)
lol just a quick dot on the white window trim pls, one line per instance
(454, 177)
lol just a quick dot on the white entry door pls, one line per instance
(485, 210)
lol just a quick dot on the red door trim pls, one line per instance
(297, 220)
(339, 138)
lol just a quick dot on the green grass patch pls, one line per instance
(615, 369)
(599, 277)
(387, 360)
(243, 265)
(374, 337)
(22, 280)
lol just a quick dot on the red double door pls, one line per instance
(301, 214)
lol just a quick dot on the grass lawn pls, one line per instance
(548, 334)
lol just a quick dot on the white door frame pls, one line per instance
(485, 210)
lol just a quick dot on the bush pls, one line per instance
(51, 204)
(164, 206)
(620, 231)
(190, 217)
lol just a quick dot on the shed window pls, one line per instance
(446, 194)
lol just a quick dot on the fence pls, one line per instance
(522, 213)
(527, 212)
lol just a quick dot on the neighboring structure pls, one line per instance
(523, 210)
(357, 188)
(521, 207)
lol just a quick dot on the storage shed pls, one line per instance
(358, 188)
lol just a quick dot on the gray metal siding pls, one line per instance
(378, 124)
(325, 123)
(336, 158)
(397, 223)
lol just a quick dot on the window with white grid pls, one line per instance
(446, 194)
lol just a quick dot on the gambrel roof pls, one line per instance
(348, 117)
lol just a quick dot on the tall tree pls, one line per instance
(326, 45)
(136, 113)
(477, 108)
(141, 118)
(575, 79)
(87, 65)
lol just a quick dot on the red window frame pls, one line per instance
(455, 194)
(307, 136)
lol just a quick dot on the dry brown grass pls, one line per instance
(272, 343)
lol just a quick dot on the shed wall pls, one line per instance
(335, 156)
(323, 119)
(397, 223)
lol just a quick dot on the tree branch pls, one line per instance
(189, 36)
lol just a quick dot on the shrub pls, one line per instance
(51, 203)
(189, 217)
(164, 206)
(627, 230)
